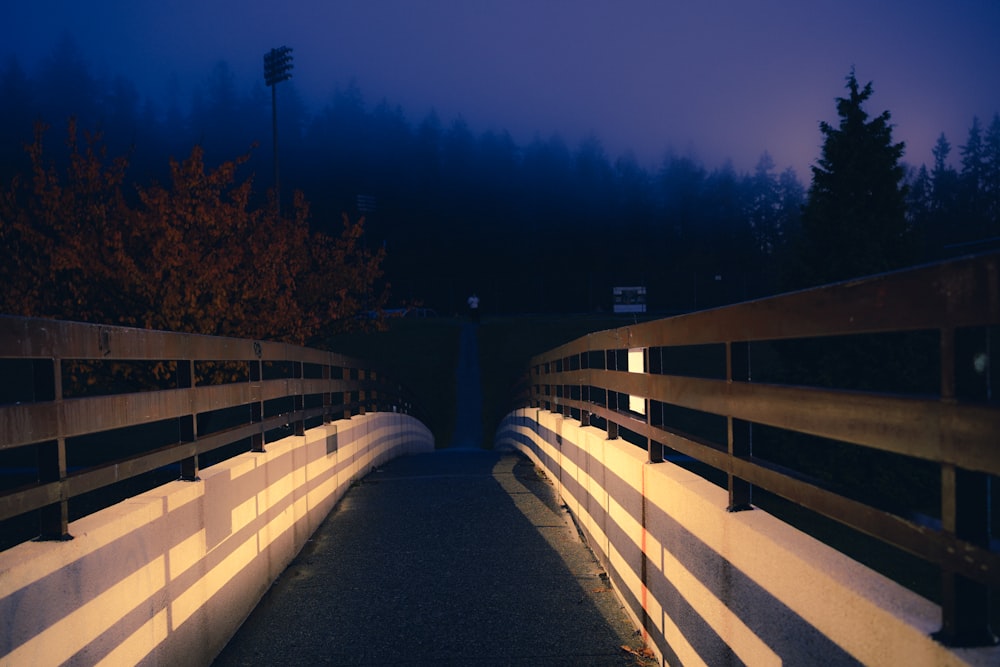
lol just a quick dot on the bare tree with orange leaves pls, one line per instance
(193, 255)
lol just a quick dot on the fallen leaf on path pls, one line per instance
(639, 653)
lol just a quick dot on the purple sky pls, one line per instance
(711, 78)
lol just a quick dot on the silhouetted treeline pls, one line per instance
(958, 210)
(539, 227)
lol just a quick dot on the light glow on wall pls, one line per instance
(61, 640)
(140, 644)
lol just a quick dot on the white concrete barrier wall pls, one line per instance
(710, 587)
(168, 576)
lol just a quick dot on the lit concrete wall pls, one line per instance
(710, 587)
(167, 577)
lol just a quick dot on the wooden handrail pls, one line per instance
(337, 386)
(959, 434)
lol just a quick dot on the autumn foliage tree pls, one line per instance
(193, 255)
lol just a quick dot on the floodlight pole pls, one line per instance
(277, 68)
(274, 134)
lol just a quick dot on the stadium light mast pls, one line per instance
(277, 68)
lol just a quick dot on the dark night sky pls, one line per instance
(712, 78)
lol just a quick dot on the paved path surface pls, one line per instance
(457, 557)
(469, 395)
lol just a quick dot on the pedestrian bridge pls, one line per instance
(804, 479)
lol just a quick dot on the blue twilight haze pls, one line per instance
(716, 79)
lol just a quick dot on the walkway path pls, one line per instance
(457, 557)
(469, 393)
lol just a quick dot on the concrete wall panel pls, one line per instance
(168, 576)
(712, 587)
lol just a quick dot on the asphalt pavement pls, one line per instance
(456, 557)
(469, 395)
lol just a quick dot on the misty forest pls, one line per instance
(108, 197)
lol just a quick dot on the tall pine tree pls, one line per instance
(854, 222)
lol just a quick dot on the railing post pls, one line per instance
(584, 391)
(611, 397)
(362, 394)
(544, 388)
(327, 394)
(188, 423)
(533, 387)
(298, 399)
(257, 404)
(965, 604)
(654, 449)
(347, 374)
(965, 503)
(537, 390)
(738, 432)
(53, 520)
(562, 391)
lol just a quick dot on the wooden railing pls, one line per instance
(644, 382)
(88, 407)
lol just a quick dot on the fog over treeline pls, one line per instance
(541, 227)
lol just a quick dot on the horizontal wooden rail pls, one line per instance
(283, 387)
(80, 416)
(959, 293)
(588, 379)
(963, 435)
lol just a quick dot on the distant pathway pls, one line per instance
(468, 433)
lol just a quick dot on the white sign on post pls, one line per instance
(629, 299)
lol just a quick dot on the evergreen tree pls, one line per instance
(919, 193)
(854, 222)
(973, 164)
(772, 206)
(792, 196)
(764, 202)
(920, 204)
(943, 224)
(974, 185)
(65, 87)
(944, 178)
